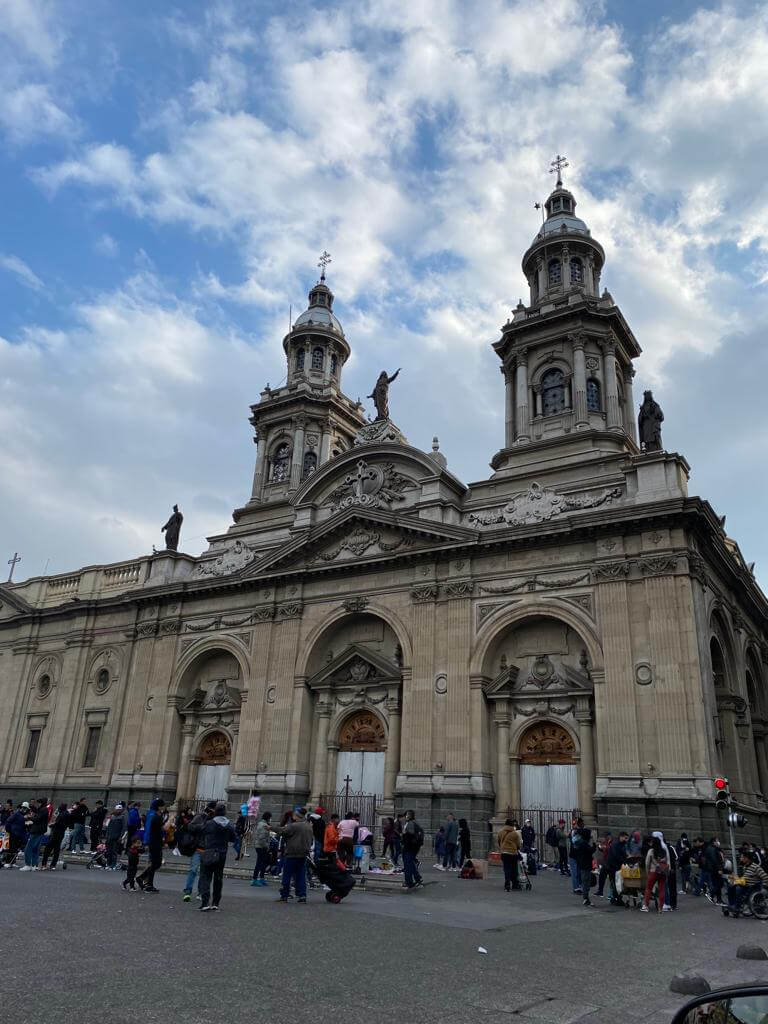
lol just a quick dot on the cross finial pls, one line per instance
(556, 167)
(323, 262)
(12, 562)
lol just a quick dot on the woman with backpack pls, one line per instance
(657, 868)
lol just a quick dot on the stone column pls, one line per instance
(613, 413)
(258, 473)
(187, 739)
(333, 754)
(392, 757)
(515, 796)
(325, 446)
(589, 276)
(762, 762)
(323, 713)
(509, 405)
(630, 414)
(419, 694)
(523, 426)
(297, 462)
(537, 407)
(503, 794)
(565, 262)
(587, 763)
(579, 383)
(541, 270)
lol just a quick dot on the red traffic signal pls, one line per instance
(721, 784)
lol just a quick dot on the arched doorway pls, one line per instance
(215, 764)
(549, 775)
(361, 757)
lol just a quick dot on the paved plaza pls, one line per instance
(83, 950)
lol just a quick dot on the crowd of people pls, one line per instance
(645, 866)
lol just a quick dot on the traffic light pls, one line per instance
(722, 795)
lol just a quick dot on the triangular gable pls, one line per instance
(355, 666)
(361, 536)
(10, 599)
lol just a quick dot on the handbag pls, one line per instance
(211, 858)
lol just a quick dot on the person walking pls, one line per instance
(561, 837)
(439, 844)
(582, 852)
(298, 842)
(714, 864)
(510, 843)
(16, 827)
(153, 840)
(133, 821)
(451, 842)
(113, 835)
(37, 833)
(413, 840)
(96, 822)
(261, 846)
(465, 841)
(398, 839)
(657, 868)
(53, 847)
(135, 850)
(78, 814)
(670, 891)
(191, 840)
(683, 847)
(216, 835)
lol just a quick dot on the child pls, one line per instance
(135, 850)
(439, 845)
(468, 870)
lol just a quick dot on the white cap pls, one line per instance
(25, 804)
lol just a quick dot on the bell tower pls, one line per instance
(566, 355)
(307, 420)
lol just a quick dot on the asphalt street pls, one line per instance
(78, 948)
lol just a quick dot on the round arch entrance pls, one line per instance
(549, 774)
(214, 768)
(362, 753)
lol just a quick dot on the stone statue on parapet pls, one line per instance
(172, 529)
(380, 394)
(649, 424)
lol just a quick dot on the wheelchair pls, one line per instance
(755, 905)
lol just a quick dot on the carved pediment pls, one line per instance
(355, 667)
(220, 696)
(352, 536)
(539, 504)
(540, 675)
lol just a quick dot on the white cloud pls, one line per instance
(15, 265)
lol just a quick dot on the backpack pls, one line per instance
(186, 843)
(417, 836)
(551, 837)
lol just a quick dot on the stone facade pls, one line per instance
(578, 608)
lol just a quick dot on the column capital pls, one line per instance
(578, 340)
(522, 354)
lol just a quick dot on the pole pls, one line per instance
(733, 843)
(347, 781)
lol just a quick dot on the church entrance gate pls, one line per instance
(214, 769)
(361, 757)
(549, 775)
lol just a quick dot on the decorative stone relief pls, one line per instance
(170, 626)
(441, 683)
(146, 629)
(355, 604)
(229, 561)
(292, 610)
(527, 709)
(582, 601)
(372, 486)
(484, 610)
(547, 742)
(459, 588)
(611, 571)
(46, 675)
(380, 431)
(359, 541)
(661, 566)
(543, 672)
(540, 504)
(697, 568)
(263, 614)
(218, 623)
(424, 592)
(271, 694)
(532, 583)
(643, 673)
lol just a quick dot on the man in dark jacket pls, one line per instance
(98, 814)
(77, 816)
(582, 850)
(113, 835)
(318, 823)
(216, 835)
(615, 857)
(153, 840)
(413, 840)
(133, 822)
(195, 827)
(298, 842)
(713, 863)
(37, 832)
(16, 828)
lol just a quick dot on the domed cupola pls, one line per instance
(563, 256)
(315, 347)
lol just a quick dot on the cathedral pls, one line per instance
(574, 632)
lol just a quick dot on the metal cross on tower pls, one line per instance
(12, 562)
(323, 262)
(556, 167)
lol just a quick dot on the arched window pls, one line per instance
(577, 271)
(281, 463)
(310, 463)
(300, 359)
(718, 664)
(553, 391)
(593, 396)
(555, 272)
(556, 204)
(317, 358)
(334, 365)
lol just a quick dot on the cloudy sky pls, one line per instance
(169, 175)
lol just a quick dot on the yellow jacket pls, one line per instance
(509, 840)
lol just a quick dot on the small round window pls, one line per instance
(102, 680)
(44, 685)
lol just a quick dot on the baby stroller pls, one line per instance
(524, 877)
(333, 873)
(98, 858)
